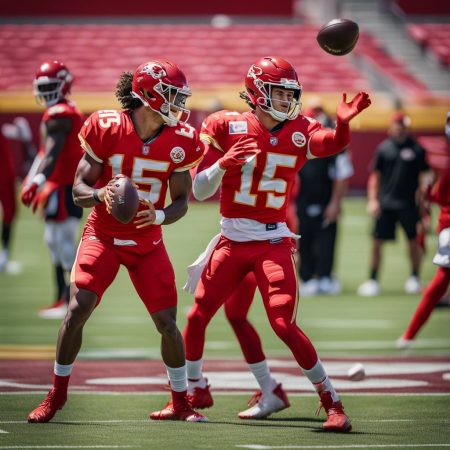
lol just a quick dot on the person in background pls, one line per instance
(48, 185)
(318, 209)
(439, 193)
(395, 192)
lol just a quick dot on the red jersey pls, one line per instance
(109, 137)
(440, 194)
(71, 153)
(259, 189)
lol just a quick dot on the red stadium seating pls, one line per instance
(435, 37)
(97, 54)
(371, 49)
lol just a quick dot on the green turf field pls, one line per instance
(341, 326)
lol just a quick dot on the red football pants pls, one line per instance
(276, 276)
(236, 310)
(433, 293)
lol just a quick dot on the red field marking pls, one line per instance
(427, 375)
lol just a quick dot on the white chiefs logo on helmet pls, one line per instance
(177, 154)
(254, 71)
(155, 71)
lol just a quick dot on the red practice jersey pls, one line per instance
(440, 194)
(259, 190)
(71, 153)
(109, 137)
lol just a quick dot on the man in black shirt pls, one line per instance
(318, 210)
(394, 195)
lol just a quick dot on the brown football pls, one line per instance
(125, 200)
(338, 37)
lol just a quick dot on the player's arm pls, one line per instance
(326, 142)
(57, 131)
(215, 164)
(373, 194)
(180, 185)
(88, 172)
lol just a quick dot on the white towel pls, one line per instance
(196, 268)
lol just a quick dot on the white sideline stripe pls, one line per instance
(67, 446)
(146, 421)
(291, 394)
(266, 447)
(4, 432)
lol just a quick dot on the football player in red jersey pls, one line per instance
(439, 193)
(258, 154)
(48, 186)
(150, 143)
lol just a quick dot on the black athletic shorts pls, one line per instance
(385, 225)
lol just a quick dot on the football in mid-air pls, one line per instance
(125, 200)
(338, 37)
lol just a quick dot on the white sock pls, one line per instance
(177, 378)
(262, 374)
(320, 380)
(194, 374)
(63, 370)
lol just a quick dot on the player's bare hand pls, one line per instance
(243, 151)
(347, 111)
(331, 212)
(147, 216)
(373, 208)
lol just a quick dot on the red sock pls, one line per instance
(61, 383)
(433, 293)
(178, 397)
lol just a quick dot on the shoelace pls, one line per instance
(255, 398)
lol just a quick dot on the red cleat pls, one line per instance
(54, 401)
(337, 420)
(201, 397)
(181, 410)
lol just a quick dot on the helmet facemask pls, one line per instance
(48, 91)
(265, 101)
(172, 110)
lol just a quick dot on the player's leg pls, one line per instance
(433, 293)
(62, 240)
(327, 243)
(95, 268)
(384, 230)
(276, 277)
(8, 213)
(409, 218)
(154, 279)
(225, 270)
(308, 230)
(236, 308)
(236, 311)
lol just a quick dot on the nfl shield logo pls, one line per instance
(145, 150)
(273, 140)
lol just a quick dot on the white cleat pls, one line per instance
(55, 312)
(403, 344)
(309, 288)
(370, 288)
(263, 406)
(412, 285)
(329, 286)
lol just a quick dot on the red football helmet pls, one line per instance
(162, 86)
(270, 72)
(52, 82)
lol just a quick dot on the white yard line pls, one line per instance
(268, 447)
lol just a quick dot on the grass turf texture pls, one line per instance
(345, 325)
